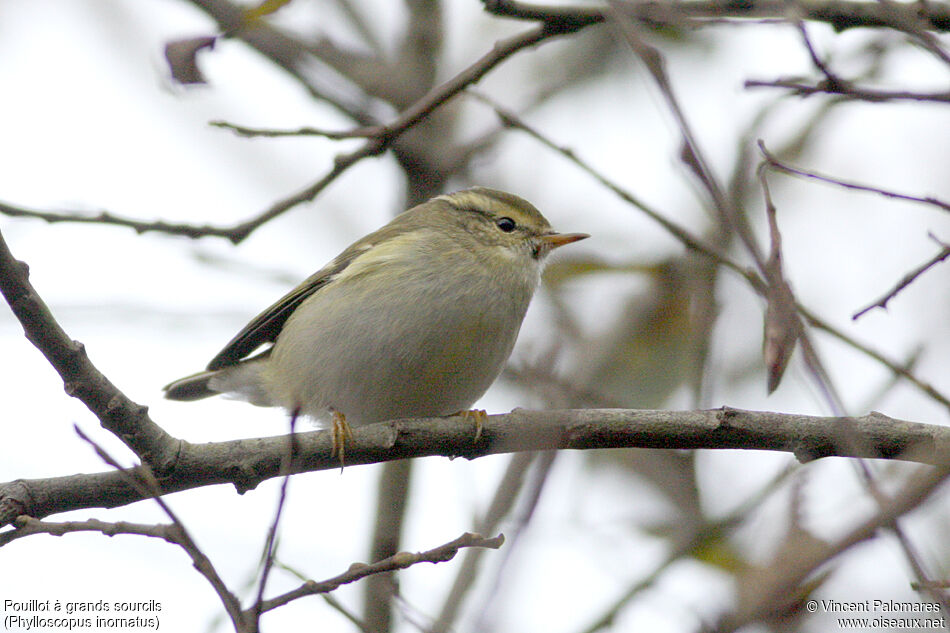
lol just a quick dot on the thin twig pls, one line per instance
(512, 120)
(697, 245)
(849, 91)
(336, 135)
(505, 495)
(402, 560)
(909, 278)
(379, 139)
(895, 367)
(145, 483)
(819, 371)
(27, 526)
(813, 54)
(270, 548)
(776, 287)
(333, 603)
(106, 217)
(906, 280)
(813, 175)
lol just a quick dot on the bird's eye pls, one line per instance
(505, 224)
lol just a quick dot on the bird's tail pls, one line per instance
(189, 388)
(244, 381)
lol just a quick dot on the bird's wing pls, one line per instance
(267, 325)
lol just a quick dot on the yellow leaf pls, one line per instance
(266, 7)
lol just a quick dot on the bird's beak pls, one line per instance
(553, 240)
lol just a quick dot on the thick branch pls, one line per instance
(840, 14)
(128, 420)
(245, 463)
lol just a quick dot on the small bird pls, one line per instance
(413, 320)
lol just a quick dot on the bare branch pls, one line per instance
(786, 302)
(915, 26)
(908, 279)
(118, 414)
(505, 495)
(774, 162)
(292, 55)
(27, 526)
(813, 54)
(391, 515)
(512, 120)
(174, 533)
(840, 14)
(402, 560)
(849, 90)
(896, 367)
(693, 243)
(379, 139)
(252, 132)
(105, 217)
(143, 482)
(270, 545)
(783, 325)
(691, 152)
(382, 137)
(245, 463)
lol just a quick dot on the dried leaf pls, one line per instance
(781, 333)
(182, 58)
(783, 326)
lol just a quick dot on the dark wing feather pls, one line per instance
(267, 325)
